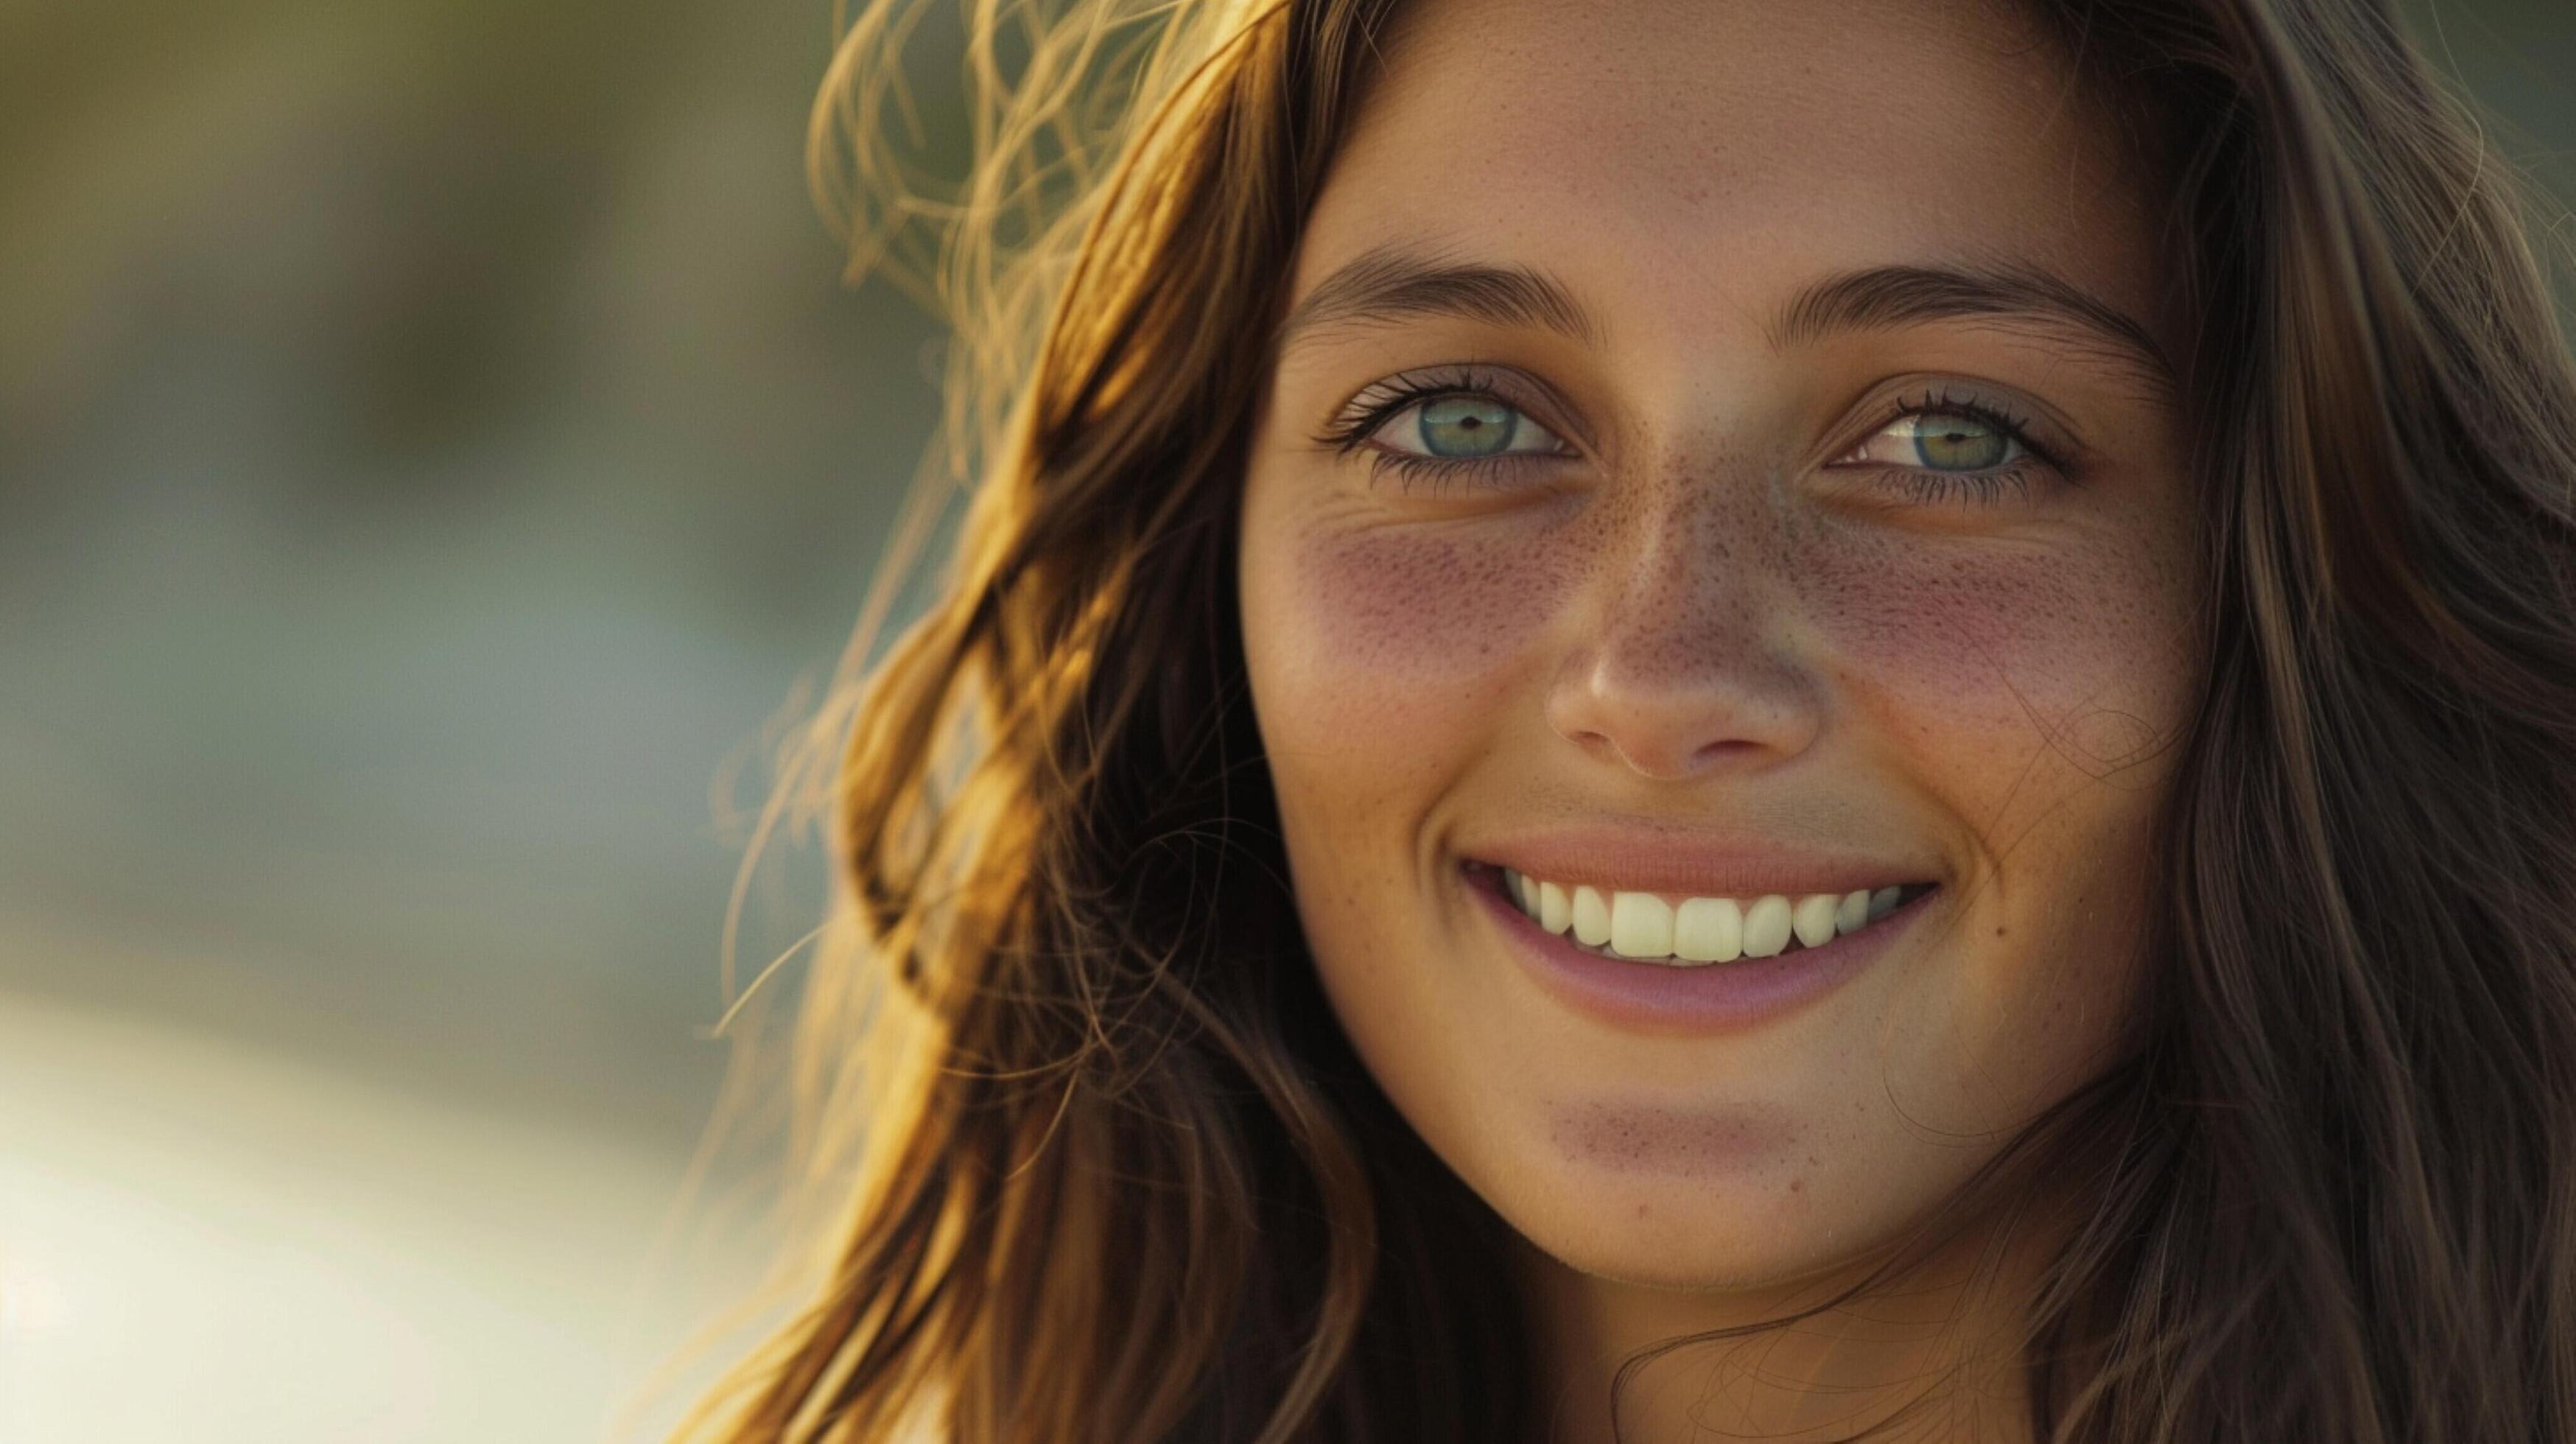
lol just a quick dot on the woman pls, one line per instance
(1676, 721)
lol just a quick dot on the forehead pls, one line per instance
(1684, 161)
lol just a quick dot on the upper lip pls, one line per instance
(1693, 862)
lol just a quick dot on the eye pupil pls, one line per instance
(1957, 443)
(1467, 426)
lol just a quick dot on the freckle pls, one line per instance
(1641, 1210)
(1423, 605)
(1999, 932)
(1633, 1138)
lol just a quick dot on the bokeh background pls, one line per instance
(435, 443)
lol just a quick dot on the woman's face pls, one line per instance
(1720, 452)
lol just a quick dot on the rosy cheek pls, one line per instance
(2079, 644)
(1420, 618)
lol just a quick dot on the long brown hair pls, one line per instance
(1106, 1169)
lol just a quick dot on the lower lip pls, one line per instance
(1660, 998)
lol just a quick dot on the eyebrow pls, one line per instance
(1393, 283)
(1888, 297)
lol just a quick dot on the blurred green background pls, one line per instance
(434, 441)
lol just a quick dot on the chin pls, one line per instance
(1681, 1234)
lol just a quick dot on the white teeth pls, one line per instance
(1591, 917)
(1555, 909)
(1766, 927)
(1852, 913)
(1708, 930)
(1641, 925)
(1813, 918)
(1644, 927)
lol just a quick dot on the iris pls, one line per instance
(1957, 443)
(1467, 426)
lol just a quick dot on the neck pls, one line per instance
(1939, 1346)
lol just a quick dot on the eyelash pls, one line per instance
(1381, 401)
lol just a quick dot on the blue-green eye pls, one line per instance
(1464, 427)
(1958, 443)
(1941, 449)
(1942, 441)
(1446, 423)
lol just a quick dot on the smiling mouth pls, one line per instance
(1691, 932)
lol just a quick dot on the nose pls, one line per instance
(1691, 653)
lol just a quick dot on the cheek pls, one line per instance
(2026, 690)
(1973, 659)
(1382, 665)
(1401, 631)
